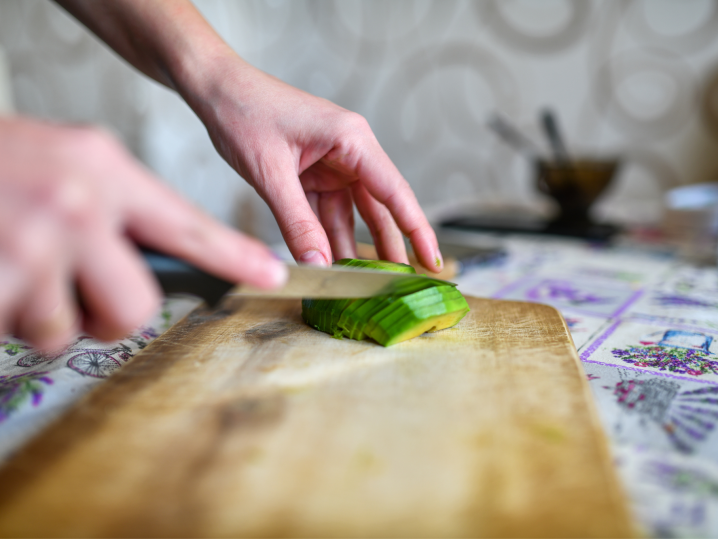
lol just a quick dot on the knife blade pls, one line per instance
(177, 276)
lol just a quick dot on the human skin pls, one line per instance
(73, 200)
(298, 151)
(72, 204)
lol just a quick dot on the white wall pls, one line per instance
(639, 78)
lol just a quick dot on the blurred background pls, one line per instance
(635, 78)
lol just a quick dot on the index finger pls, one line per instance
(159, 218)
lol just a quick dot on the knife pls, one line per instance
(177, 276)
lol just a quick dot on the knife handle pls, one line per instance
(177, 276)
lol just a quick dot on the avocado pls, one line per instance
(411, 309)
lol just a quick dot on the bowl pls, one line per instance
(575, 185)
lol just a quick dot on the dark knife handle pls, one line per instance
(177, 276)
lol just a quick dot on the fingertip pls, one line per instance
(427, 251)
(122, 321)
(55, 333)
(313, 258)
(277, 274)
(438, 262)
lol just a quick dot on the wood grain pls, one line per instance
(245, 422)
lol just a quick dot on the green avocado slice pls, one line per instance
(410, 310)
(397, 267)
(355, 317)
(410, 316)
(324, 314)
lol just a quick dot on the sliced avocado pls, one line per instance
(412, 308)
(324, 314)
(376, 264)
(429, 310)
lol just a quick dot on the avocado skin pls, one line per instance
(384, 265)
(410, 310)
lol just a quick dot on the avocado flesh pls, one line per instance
(324, 314)
(410, 310)
(356, 316)
(431, 325)
(428, 310)
(396, 267)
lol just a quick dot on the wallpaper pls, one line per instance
(635, 79)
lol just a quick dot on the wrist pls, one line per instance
(203, 76)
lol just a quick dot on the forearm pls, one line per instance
(168, 40)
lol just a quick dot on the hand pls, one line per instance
(72, 201)
(311, 161)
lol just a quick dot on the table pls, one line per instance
(644, 324)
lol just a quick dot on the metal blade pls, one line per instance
(334, 282)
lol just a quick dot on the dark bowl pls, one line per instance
(575, 185)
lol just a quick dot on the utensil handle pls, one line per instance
(553, 134)
(512, 136)
(177, 276)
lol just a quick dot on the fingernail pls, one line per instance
(278, 274)
(313, 258)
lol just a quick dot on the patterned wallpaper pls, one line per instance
(637, 78)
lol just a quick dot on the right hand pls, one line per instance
(72, 202)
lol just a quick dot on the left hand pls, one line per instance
(311, 161)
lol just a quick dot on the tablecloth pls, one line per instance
(645, 326)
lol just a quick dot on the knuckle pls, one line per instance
(357, 122)
(70, 200)
(298, 229)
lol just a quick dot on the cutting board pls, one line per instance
(245, 422)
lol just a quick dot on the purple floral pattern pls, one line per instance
(566, 292)
(687, 418)
(13, 348)
(674, 300)
(19, 389)
(673, 359)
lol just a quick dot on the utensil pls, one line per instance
(177, 276)
(512, 136)
(551, 129)
(575, 185)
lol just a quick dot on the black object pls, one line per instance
(177, 276)
(551, 129)
(584, 230)
(512, 136)
(574, 184)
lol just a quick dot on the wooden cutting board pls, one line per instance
(246, 422)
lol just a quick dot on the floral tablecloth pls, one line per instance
(35, 389)
(646, 329)
(645, 326)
